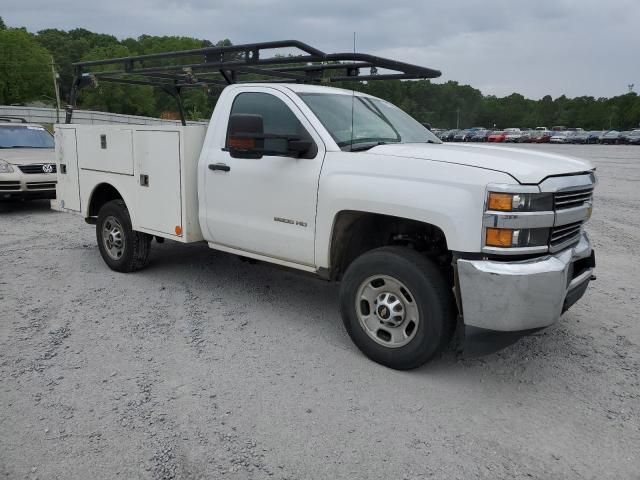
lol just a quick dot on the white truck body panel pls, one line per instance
(119, 156)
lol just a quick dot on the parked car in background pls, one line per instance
(448, 135)
(513, 136)
(585, 137)
(541, 136)
(622, 138)
(526, 137)
(609, 138)
(594, 135)
(463, 136)
(560, 137)
(27, 160)
(633, 138)
(481, 136)
(497, 137)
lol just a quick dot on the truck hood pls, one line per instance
(526, 166)
(26, 156)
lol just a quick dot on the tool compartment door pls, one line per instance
(159, 200)
(106, 149)
(68, 186)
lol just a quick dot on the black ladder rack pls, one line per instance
(219, 66)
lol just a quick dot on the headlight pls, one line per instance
(5, 167)
(516, 238)
(520, 202)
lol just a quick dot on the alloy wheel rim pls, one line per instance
(387, 311)
(113, 237)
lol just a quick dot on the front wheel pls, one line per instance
(122, 248)
(396, 307)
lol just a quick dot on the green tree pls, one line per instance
(114, 97)
(25, 71)
(69, 47)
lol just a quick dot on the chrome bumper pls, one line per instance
(527, 294)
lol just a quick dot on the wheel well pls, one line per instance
(102, 194)
(355, 233)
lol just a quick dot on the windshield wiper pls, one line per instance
(365, 146)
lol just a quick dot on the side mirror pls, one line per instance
(245, 136)
(246, 139)
(299, 147)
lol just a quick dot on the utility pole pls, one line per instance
(458, 118)
(55, 89)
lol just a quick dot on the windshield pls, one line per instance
(25, 137)
(356, 121)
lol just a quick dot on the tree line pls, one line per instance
(26, 76)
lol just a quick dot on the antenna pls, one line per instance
(353, 94)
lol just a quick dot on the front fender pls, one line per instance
(448, 196)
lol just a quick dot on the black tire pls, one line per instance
(431, 294)
(134, 253)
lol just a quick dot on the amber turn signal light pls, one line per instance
(241, 143)
(500, 201)
(499, 237)
(178, 230)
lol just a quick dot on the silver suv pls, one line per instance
(27, 160)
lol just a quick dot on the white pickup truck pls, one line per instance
(423, 236)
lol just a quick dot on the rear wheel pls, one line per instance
(396, 307)
(122, 248)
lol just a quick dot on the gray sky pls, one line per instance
(572, 47)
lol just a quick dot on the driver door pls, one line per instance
(266, 205)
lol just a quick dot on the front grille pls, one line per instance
(36, 168)
(564, 235)
(9, 185)
(573, 198)
(41, 185)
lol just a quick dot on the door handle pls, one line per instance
(219, 166)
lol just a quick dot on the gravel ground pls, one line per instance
(203, 366)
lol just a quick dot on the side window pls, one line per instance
(277, 117)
